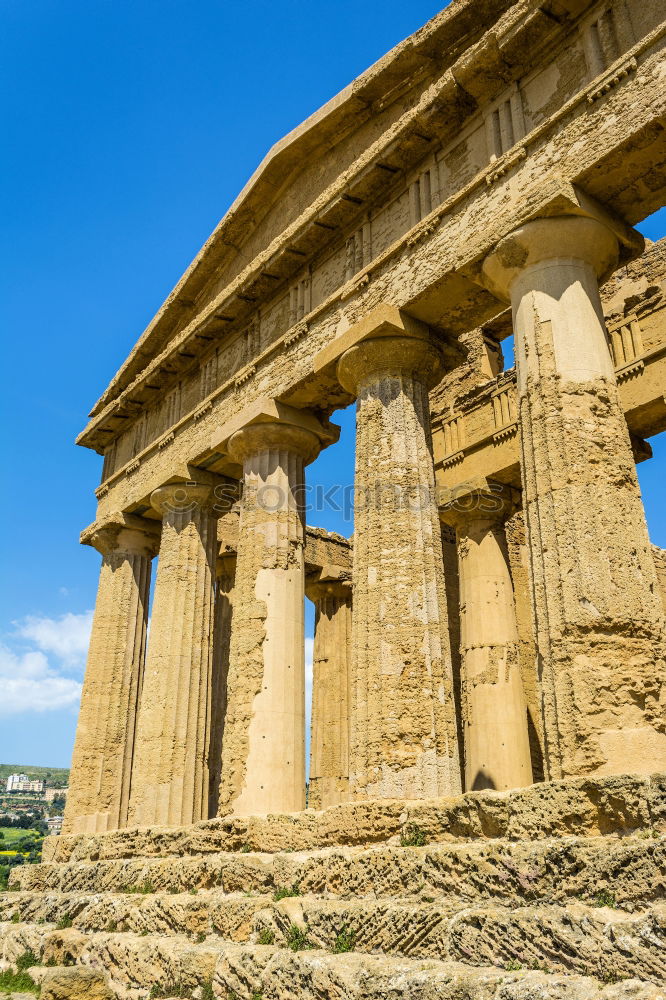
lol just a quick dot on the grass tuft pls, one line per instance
(17, 982)
(286, 893)
(344, 942)
(28, 960)
(297, 939)
(605, 898)
(413, 836)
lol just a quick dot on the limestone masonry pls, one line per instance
(485, 815)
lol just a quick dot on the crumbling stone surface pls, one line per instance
(579, 806)
(73, 984)
(554, 891)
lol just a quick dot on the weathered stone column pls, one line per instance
(329, 744)
(496, 746)
(598, 620)
(403, 731)
(99, 784)
(263, 757)
(170, 777)
(224, 596)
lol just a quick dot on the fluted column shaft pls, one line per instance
(496, 748)
(329, 744)
(263, 757)
(170, 777)
(101, 766)
(598, 621)
(403, 730)
(224, 602)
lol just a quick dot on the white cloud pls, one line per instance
(66, 637)
(30, 684)
(37, 659)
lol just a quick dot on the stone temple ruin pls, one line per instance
(485, 816)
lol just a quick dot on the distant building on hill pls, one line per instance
(22, 783)
(54, 823)
(55, 793)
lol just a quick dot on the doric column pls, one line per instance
(170, 777)
(224, 597)
(403, 729)
(101, 766)
(263, 757)
(496, 748)
(598, 620)
(329, 744)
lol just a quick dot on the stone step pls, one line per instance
(571, 938)
(135, 965)
(208, 912)
(632, 869)
(576, 806)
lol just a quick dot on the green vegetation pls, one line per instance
(171, 990)
(26, 961)
(142, 890)
(605, 898)
(297, 939)
(207, 990)
(610, 977)
(286, 893)
(513, 966)
(64, 923)
(345, 941)
(11, 836)
(266, 936)
(17, 982)
(412, 836)
(18, 847)
(55, 777)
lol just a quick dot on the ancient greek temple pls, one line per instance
(497, 618)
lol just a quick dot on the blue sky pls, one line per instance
(129, 127)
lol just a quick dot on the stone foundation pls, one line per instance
(551, 891)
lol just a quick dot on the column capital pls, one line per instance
(564, 237)
(317, 589)
(231, 440)
(479, 501)
(120, 532)
(184, 498)
(385, 356)
(256, 438)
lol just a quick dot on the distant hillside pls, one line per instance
(55, 777)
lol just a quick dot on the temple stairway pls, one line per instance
(555, 892)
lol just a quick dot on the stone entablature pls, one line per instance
(253, 342)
